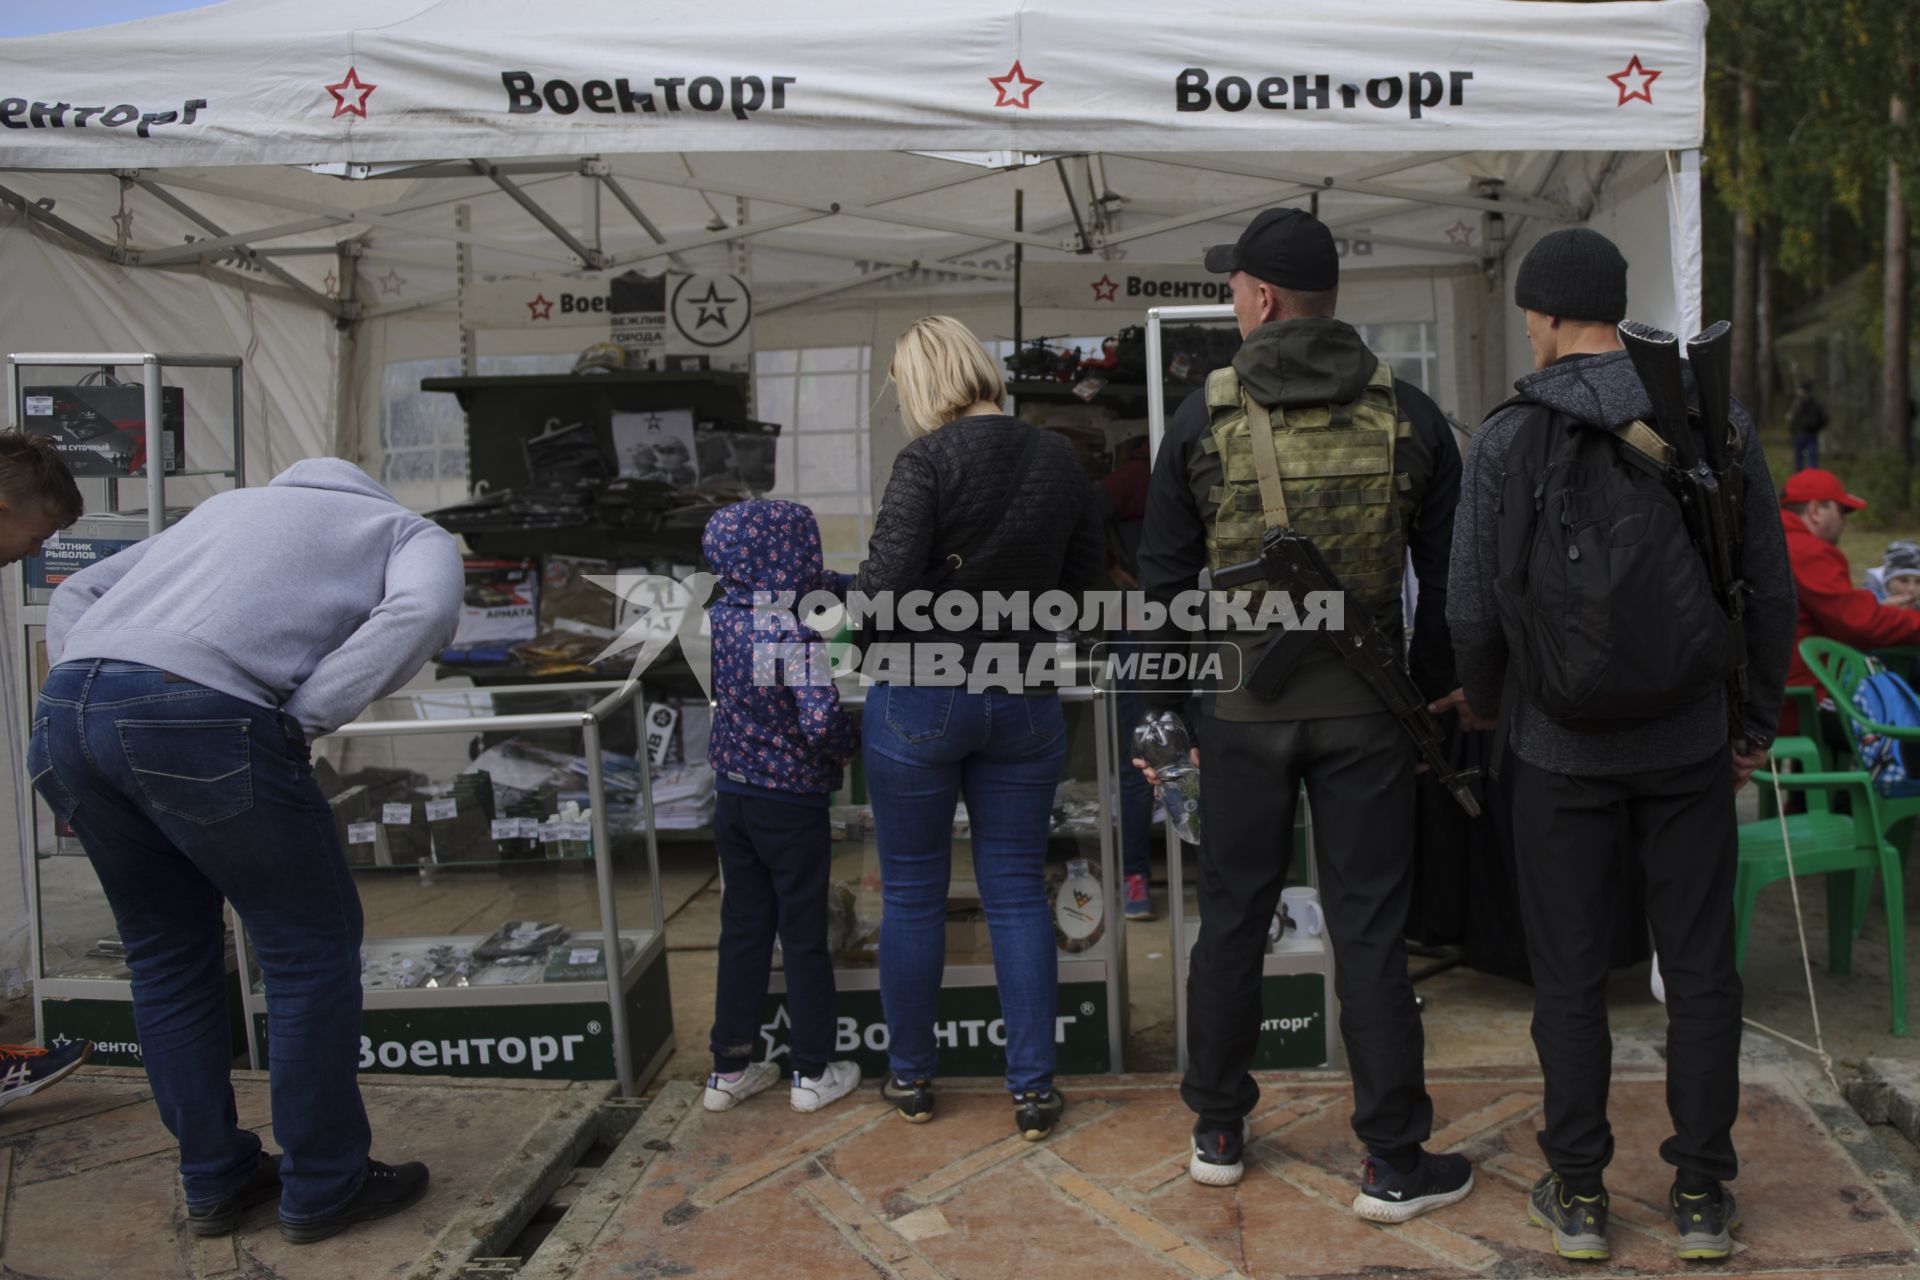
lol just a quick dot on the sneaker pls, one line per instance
(1387, 1195)
(222, 1216)
(1218, 1151)
(835, 1082)
(25, 1070)
(389, 1188)
(1036, 1111)
(1578, 1223)
(724, 1094)
(913, 1099)
(1139, 899)
(1705, 1221)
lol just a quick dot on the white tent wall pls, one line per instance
(58, 300)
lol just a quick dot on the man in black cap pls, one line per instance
(1590, 793)
(1367, 466)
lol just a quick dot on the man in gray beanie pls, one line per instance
(1664, 781)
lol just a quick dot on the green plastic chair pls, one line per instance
(1839, 671)
(1846, 848)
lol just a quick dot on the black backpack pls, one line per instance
(1606, 604)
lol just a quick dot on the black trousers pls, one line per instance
(774, 860)
(1679, 824)
(1359, 776)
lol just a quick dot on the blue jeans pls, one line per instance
(184, 797)
(1806, 452)
(924, 748)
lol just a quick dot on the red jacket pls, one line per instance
(1831, 606)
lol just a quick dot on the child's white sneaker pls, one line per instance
(724, 1094)
(836, 1082)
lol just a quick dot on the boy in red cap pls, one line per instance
(1813, 509)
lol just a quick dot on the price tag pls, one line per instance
(39, 406)
(583, 955)
(396, 815)
(506, 828)
(441, 810)
(363, 832)
(549, 834)
(579, 831)
(530, 828)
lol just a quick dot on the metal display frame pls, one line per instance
(1288, 960)
(622, 975)
(1106, 963)
(29, 617)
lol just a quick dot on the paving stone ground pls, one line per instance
(854, 1191)
(88, 1185)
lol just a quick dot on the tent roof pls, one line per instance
(368, 82)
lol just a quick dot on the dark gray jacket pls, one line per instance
(1605, 391)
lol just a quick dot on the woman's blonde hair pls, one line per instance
(939, 369)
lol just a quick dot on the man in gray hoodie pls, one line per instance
(189, 673)
(1658, 789)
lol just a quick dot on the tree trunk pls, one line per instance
(1746, 276)
(1895, 317)
(1762, 405)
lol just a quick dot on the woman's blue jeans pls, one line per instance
(926, 747)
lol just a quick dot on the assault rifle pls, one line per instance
(1290, 561)
(1709, 483)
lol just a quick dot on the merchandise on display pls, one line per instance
(531, 953)
(99, 426)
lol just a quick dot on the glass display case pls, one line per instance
(81, 986)
(1083, 884)
(509, 877)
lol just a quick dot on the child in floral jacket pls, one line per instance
(779, 745)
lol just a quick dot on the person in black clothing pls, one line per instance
(1298, 367)
(978, 502)
(1806, 419)
(1591, 793)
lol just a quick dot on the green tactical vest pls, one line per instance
(1336, 470)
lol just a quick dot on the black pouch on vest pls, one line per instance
(1274, 660)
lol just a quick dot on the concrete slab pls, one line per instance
(853, 1191)
(91, 1191)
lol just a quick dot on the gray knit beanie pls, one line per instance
(1575, 274)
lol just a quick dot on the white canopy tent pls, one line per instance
(317, 187)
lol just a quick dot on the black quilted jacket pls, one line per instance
(947, 486)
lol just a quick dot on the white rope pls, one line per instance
(1819, 1046)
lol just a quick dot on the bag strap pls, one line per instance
(1266, 464)
(957, 558)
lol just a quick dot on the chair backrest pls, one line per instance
(1838, 668)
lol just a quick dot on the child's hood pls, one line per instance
(764, 545)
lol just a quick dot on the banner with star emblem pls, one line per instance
(691, 320)
(372, 81)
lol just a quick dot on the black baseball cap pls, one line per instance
(1286, 247)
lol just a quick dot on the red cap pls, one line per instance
(1816, 485)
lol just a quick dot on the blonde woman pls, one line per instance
(978, 501)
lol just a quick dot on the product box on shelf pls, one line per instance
(87, 541)
(101, 429)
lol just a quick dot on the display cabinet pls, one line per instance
(1084, 886)
(508, 872)
(106, 430)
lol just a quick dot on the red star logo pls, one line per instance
(392, 282)
(540, 308)
(352, 87)
(1461, 234)
(1104, 288)
(1643, 90)
(1021, 90)
(332, 282)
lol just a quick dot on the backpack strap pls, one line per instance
(1266, 464)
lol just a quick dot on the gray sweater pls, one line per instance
(316, 594)
(1605, 391)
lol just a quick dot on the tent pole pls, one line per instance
(490, 171)
(1019, 258)
(463, 277)
(612, 184)
(1073, 207)
(273, 269)
(36, 214)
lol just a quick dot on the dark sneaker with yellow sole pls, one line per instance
(1578, 1223)
(388, 1190)
(1036, 1111)
(1706, 1221)
(222, 1216)
(913, 1099)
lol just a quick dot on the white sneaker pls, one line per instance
(723, 1095)
(836, 1082)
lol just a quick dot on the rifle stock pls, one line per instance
(1289, 560)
